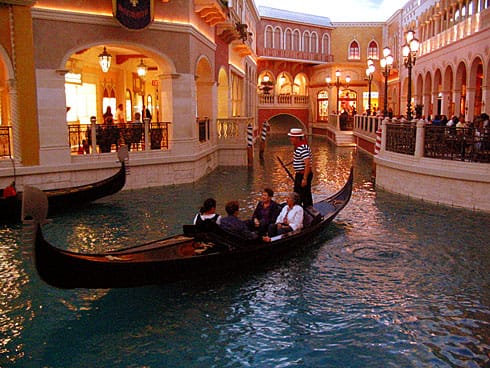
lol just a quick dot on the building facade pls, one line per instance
(201, 71)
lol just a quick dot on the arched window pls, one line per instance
(288, 42)
(109, 99)
(314, 42)
(326, 44)
(373, 50)
(129, 106)
(354, 51)
(296, 41)
(268, 37)
(149, 105)
(277, 44)
(306, 41)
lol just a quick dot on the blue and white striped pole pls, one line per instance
(250, 144)
(263, 137)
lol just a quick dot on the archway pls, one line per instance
(447, 92)
(460, 88)
(223, 94)
(204, 82)
(282, 123)
(6, 124)
(475, 88)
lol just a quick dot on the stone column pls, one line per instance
(420, 139)
(14, 118)
(178, 106)
(53, 128)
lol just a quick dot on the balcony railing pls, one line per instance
(295, 55)
(463, 29)
(233, 130)
(5, 141)
(283, 99)
(108, 137)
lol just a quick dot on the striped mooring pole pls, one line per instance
(250, 145)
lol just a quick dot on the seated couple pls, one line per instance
(207, 219)
(289, 219)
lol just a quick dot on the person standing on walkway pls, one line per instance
(302, 165)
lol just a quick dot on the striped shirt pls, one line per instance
(301, 153)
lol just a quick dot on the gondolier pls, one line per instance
(302, 165)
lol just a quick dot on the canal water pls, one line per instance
(393, 282)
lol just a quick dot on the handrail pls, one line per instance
(108, 137)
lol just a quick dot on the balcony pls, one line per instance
(471, 25)
(304, 56)
(283, 100)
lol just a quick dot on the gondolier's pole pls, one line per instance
(285, 168)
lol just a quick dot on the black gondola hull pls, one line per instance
(175, 258)
(66, 198)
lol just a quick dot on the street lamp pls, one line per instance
(386, 62)
(369, 73)
(338, 84)
(409, 52)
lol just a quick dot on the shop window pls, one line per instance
(322, 102)
(129, 106)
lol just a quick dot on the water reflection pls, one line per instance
(392, 282)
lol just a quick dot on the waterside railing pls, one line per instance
(102, 138)
(441, 142)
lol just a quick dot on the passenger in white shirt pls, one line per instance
(290, 218)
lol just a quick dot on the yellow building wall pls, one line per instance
(26, 85)
(343, 35)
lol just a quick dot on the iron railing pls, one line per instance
(109, 137)
(451, 143)
(400, 138)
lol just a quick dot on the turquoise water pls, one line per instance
(392, 283)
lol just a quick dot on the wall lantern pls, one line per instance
(142, 68)
(105, 60)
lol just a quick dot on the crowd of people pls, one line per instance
(269, 218)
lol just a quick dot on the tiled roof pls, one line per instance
(287, 15)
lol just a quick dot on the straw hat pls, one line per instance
(296, 132)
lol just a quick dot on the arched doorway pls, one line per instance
(131, 78)
(6, 132)
(204, 94)
(223, 94)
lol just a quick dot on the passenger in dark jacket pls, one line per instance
(265, 213)
(234, 225)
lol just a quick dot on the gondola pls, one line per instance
(192, 254)
(66, 198)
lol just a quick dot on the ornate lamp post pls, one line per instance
(369, 73)
(409, 52)
(386, 63)
(338, 84)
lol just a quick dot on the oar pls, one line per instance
(292, 178)
(285, 168)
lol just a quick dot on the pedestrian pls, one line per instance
(302, 165)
